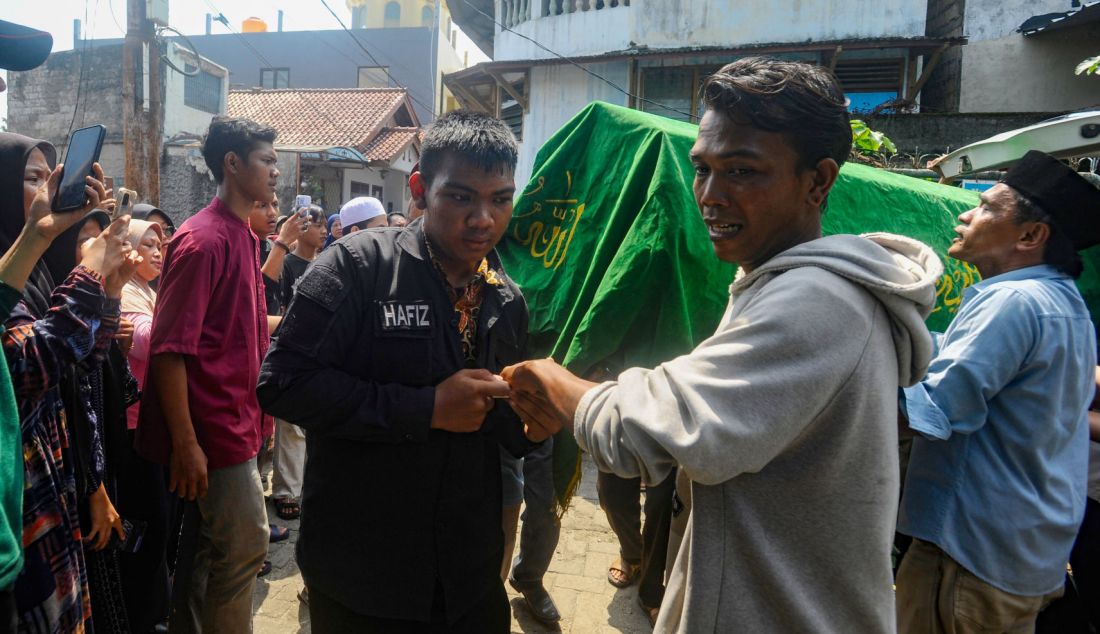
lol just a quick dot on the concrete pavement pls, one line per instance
(577, 579)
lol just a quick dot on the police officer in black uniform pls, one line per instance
(387, 357)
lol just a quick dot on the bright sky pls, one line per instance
(107, 18)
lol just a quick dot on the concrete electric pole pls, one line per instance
(142, 104)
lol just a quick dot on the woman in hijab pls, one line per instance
(48, 332)
(145, 211)
(143, 489)
(335, 229)
(104, 388)
(23, 246)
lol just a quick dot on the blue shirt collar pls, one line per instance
(1039, 271)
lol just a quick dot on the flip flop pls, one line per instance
(627, 573)
(287, 508)
(264, 569)
(278, 534)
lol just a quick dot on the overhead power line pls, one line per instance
(375, 59)
(267, 63)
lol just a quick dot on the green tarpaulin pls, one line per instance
(613, 257)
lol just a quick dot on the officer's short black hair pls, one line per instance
(228, 134)
(476, 137)
(803, 102)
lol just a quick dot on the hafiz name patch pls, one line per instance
(404, 316)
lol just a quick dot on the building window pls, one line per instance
(511, 113)
(359, 18)
(392, 15)
(202, 91)
(674, 87)
(359, 189)
(275, 78)
(426, 17)
(869, 83)
(373, 77)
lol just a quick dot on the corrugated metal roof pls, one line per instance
(1087, 12)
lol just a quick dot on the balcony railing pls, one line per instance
(513, 12)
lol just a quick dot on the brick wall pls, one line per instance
(941, 93)
(186, 185)
(41, 101)
(934, 133)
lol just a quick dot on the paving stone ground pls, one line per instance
(577, 579)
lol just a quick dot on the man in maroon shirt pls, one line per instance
(200, 415)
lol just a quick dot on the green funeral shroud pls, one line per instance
(614, 260)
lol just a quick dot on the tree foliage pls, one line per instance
(868, 141)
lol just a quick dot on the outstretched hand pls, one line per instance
(545, 395)
(106, 253)
(124, 273)
(49, 224)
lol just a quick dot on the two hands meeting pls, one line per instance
(544, 395)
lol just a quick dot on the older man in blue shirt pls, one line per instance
(996, 484)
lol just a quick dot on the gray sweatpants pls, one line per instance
(231, 546)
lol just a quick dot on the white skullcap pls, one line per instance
(359, 209)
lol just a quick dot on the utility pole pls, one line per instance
(142, 104)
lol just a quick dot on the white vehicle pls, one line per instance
(1074, 134)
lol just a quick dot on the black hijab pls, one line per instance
(15, 149)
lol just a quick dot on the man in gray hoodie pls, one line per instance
(785, 420)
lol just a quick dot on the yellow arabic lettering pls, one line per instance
(552, 245)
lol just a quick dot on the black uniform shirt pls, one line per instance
(391, 507)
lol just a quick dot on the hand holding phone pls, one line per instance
(126, 200)
(83, 152)
(49, 224)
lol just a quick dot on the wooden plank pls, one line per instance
(508, 88)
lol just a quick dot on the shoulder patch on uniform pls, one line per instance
(322, 285)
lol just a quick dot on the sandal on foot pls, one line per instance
(278, 534)
(287, 508)
(622, 573)
(264, 569)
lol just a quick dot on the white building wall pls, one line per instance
(557, 94)
(1003, 71)
(1030, 74)
(679, 23)
(992, 19)
(179, 117)
(360, 175)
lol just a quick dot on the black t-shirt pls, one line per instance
(293, 267)
(272, 292)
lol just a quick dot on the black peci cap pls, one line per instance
(1072, 202)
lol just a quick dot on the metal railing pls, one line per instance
(513, 12)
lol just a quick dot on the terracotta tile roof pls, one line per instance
(320, 118)
(389, 142)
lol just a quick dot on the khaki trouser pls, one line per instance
(289, 461)
(935, 595)
(230, 549)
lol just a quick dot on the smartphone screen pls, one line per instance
(84, 147)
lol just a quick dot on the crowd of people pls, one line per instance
(380, 362)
